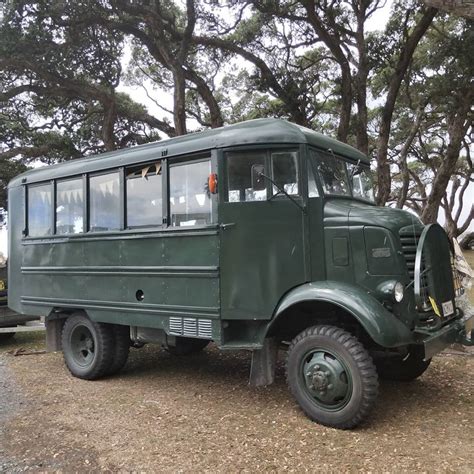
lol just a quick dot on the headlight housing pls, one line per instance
(391, 290)
(398, 291)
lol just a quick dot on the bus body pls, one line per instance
(250, 235)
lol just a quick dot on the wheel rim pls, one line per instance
(82, 346)
(326, 379)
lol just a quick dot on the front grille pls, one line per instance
(409, 238)
(409, 243)
(438, 284)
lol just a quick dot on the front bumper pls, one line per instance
(460, 331)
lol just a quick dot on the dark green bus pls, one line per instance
(258, 236)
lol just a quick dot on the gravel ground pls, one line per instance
(176, 414)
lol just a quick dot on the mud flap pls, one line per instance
(262, 370)
(54, 328)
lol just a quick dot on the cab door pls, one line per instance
(262, 230)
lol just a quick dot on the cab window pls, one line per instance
(312, 186)
(239, 176)
(332, 173)
(285, 171)
(281, 166)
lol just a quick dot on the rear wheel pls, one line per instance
(332, 376)
(402, 368)
(187, 346)
(87, 347)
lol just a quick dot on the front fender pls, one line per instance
(381, 325)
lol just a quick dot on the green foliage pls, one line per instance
(63, 65)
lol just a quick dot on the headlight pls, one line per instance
(398, 292)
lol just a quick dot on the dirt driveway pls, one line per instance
(175, 414)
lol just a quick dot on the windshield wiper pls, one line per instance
(282, 191)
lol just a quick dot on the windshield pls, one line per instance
(335, 175)
(362, 184)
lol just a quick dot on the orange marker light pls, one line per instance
(212, 183)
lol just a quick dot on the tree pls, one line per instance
(400, 95)
(431, 141)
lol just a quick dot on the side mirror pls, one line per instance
(258, 180)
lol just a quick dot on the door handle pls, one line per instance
(226, 226)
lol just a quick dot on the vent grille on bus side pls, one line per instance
(191, 327)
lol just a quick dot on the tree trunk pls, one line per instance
(108, 124)
(402, 197)
(406, 54)
(361, 84)
(457, 129)
(179, 109)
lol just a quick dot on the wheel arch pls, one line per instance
(63, 313)
(330, 302)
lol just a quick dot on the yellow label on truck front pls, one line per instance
(435, 307)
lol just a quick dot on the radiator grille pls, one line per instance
(409, 238)
(191, 327)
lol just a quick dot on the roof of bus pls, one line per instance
(258, 131)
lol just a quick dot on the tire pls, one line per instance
(6, 336)
(332, 376)
(402, 369)
(121, 348)
(187, 346)
(88, 347)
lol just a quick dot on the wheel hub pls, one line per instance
(326, 379)
(320, 381)
(82, 345)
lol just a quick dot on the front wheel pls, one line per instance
(332, 376)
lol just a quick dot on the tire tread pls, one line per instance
(361, 357)
(105, 346)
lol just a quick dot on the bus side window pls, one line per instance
(239, 176)
(40, 210)
(190, 200)
(69, 206)
(285, 171)
(104, 202)
(144, 196)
